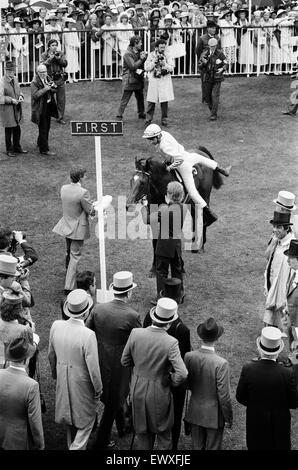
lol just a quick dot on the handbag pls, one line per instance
(37, 378)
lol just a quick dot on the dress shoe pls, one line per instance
(10, 154)
(61, 121)
(164, 123)
(208, 216)
(142, 116)
(48, 153)
(212, 118)
(21, 151)
(120, 118)
(287, 113)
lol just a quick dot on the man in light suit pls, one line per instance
(210, 405)
(154, 355)
(292, 291)
(74, 225)
(74, 363)
(20, 410)
(112, 323)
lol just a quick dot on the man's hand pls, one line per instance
(51, 55)
(18, 236)
(175, 164)
(14, 101)
(48, 87)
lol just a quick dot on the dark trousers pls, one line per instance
(292, 108)
(203, 87)
(109, 415)
(178, 399)
(44, 128)
(212, 92)
(12, 138)
(60, 98)
(151, 109)
(125, 100)
(162, 270)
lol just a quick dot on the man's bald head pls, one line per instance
(41, 68)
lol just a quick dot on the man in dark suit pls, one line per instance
(269, 391)
(74, 225)
(168, 252)
(181, 332)
(292, 291)
(11, 110)
(112, 323)
(210, 406)
(20, 410)
(203, 45)
(43, 106)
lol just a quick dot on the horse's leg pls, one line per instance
(152, 272)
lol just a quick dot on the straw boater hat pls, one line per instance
(122, 282)
(165, 311)
(293, 249)
(270, 341)
(286, 200)
(19, 349)
(8, 265)
(209, 331)
(12, 298)
(77, 303)
(281, 218)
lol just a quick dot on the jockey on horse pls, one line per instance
(179, 159)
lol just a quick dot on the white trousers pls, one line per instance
(77, 439)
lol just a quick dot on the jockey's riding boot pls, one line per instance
(224, 171)
(208, 216)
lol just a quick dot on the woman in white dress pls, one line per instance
(72, 45)
(124, 35)
(282, 51)
(259, 40)
(20, 49)
(244, 41)
(228, 37)
(109, 44)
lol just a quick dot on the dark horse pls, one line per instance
(151, 179)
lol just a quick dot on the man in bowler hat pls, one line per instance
(210, 406)
(178, 329)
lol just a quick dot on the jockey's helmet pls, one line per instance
(153, 130)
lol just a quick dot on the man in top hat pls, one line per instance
(291, 308)
(277, 270)
(203, 45)
(214, 63)
(74, 225)
(269, 391)
(157, 366)
(177, 329)
(210, 406)
(20, 409)
(285, 202)
(74, 363)
(11, 110)
(112, 323)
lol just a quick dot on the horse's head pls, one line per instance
(139, 183)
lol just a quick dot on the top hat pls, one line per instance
(19, 349)
(281, 218)
(165, 311)
(8, 265)
(122, 282)
(270, 341)
(209, 331)
(286, 200)
(293, 249)
(12, 298)
(172, 289)
(77, 303)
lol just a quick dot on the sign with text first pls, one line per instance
(96, 127)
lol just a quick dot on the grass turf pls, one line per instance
(227, 281)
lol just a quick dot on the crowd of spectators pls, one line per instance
(94, 36)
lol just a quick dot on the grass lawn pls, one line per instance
(227, 281)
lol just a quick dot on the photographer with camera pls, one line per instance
(160, 65)
(11, 110)
(43, 107)
(10, 239)
(55, 62)
(133, 77)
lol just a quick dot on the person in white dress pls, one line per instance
(244, 41)
(109, 43)
(72, 45)
(124, 35)
(228, 37)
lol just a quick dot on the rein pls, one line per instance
(148, 184)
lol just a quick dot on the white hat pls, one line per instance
(122, 282)
(153, 130)
(168, 17)
(77, 303)
(184, 14)
(165, 311)
(8, 265)
(270, 341)
(286, 200)
(280, 12)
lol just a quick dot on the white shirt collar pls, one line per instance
(17, 367)
(76, 184)
(210, 348)
(78, 319)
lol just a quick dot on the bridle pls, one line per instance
(147, 184)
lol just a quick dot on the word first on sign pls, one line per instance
(96, 128)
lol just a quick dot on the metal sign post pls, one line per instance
(98, 129)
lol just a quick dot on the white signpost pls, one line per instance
(98, 129)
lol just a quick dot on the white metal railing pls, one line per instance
(251, 50)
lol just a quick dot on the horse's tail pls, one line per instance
(217, 180)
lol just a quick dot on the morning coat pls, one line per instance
(10, 114)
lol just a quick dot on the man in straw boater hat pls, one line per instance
(74, 363)
(178, 329)
(154, 355)
(269, 391)
(112, 323)
(20, 409)
(11, 279)
(210, 406)
(277, 270)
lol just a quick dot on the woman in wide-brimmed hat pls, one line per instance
(244, 41)
(228, 36)
(124, 35)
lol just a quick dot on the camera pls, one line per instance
(14, 243)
